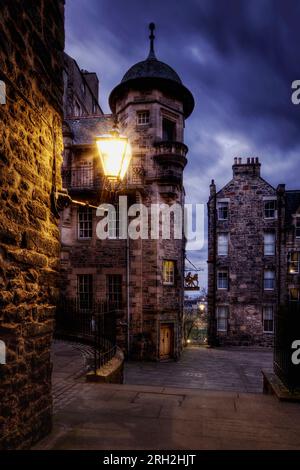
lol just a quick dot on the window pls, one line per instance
(269, 243)
(113, 223)
(143, 117)
(114, 289)
(294, 262)
(297, 227)
(168, 130)
(222, 280)
(270, 209)
(222, 318)
(268, 319)
(223, 210)
(85, 223)
(85, 291)
(294, 294)
(223, 244)
(269, 280)
(169, 272)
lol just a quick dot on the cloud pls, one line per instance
(237, 57)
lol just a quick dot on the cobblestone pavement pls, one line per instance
(70, 362)
(231, 369)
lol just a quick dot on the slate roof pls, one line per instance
(85, 129)
(151, 68)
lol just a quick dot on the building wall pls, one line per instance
(246, 261)
(150, 302)
(81, 90)
(32, 41)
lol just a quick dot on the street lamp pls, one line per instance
(115, 154)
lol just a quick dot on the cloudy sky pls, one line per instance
(238, 57)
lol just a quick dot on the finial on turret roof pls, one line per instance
(151, 37)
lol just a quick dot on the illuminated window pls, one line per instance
(223, 244)
(269, 280)
(294, 262)
(85, 291)
(269, 243)
(270, 209)
(169, 272)
(268, 319)
(222, 280)
(294, 294)
(223, 210)
(143, 117)
(85, 223)
(222, 318)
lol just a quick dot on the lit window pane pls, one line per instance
(168, 272)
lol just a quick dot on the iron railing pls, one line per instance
(287, 330)
(81, 178)
(95, 326)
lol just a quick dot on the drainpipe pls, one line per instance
(127, 294)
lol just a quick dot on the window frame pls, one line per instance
(269, 201)
(264, 319)
(172, 122)
(222, 271)
(270, 244)
(297, 227)
(219, 235)
(294, 262)
(225, 205)
(85, 288)
(145, 120)
(269, 279)
(114, 289)
(170, 273)
(225, 309)
(298, 297)
(85, 210)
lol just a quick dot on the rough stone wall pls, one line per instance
(32, 41)
(246, 261)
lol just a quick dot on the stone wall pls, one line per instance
(32, 41)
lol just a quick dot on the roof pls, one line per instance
(151, 68)
(292, 204)
(153, 73)
(85, 129)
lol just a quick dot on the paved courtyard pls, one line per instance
(95, 416)
(202, 368)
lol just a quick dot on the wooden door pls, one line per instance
(166, 341)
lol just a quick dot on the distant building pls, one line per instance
(145, 276)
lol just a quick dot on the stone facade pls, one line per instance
(151, 111)
(242, 258)
(81, 90)
(32, 41)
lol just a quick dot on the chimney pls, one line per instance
(251, 167)
(212, 188)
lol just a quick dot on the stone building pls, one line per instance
(144, 276)
(32, 41)
(242, 258)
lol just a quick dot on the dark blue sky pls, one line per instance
(237, 57)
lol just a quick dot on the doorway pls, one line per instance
(166, 341)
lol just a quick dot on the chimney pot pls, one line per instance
(240, 161)
(235, 160)
(248, 161)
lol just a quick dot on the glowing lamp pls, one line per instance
(115, 154)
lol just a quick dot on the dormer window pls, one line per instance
(143, 117)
